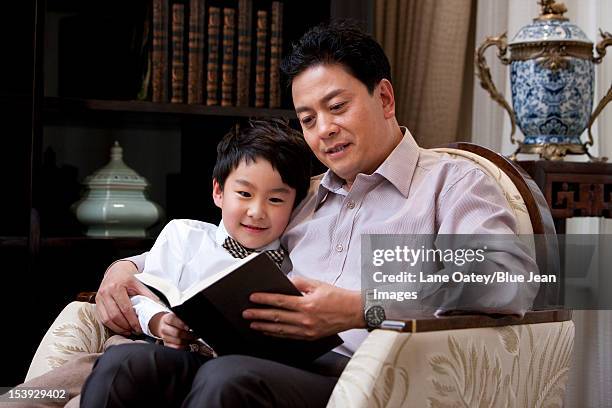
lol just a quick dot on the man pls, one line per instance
(379, 181)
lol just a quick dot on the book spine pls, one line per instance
(243, 74)
(195, 60)
(227, 66)
(160, 51)
(276, 48)
(260, 58)
(144, 93)
(178, 53)
(212, 67)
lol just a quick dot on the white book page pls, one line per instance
(166, 287)
(198, 286)
(174, 296)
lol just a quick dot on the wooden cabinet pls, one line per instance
(573, 189)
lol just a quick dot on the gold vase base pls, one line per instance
(554, 151)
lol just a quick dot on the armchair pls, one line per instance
(470, 361)
(442, 362)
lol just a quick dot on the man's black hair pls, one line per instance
(269, 139)
(339, 42)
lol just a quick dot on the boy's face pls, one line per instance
(255, 203)
(346, 127)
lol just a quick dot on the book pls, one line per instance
(144, 50)
(227, 65)
(276, 48)
(195, 52)
(212, 66)
(160, 51)
(178, 53)
(260, 58)
(213, 308)
(243, 68)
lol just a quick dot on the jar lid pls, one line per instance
(551, 26)
(116, 174)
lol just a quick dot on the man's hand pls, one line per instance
(172, 330)
(323, 310)
(113, 303)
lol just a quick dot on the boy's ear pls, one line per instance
(217, 193)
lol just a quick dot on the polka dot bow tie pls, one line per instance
(237, 250)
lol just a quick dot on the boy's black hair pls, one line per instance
(339, 42)
(269, 139)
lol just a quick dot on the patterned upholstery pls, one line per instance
(509, 366)
(76, 330)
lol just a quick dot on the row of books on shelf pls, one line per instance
(215, 53)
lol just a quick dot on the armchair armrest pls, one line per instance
(427, 322)
(89, 297)
(462, 361)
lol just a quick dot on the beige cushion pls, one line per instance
(75, 331)
(511, 366)
(514, 198)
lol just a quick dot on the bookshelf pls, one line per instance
(64, 102)
(55, 108)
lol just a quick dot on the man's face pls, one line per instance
(255, 203)
(346, 127)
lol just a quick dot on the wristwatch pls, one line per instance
(373, 312)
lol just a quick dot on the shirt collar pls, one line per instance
(397, 168)
(222, 233)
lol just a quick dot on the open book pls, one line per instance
(213, 308)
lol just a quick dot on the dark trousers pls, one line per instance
(139, 375)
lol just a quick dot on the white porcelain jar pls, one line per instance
(115, 204)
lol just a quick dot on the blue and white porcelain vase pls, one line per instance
(551, 77)
(115, 204)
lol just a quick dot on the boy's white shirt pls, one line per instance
(185, 252)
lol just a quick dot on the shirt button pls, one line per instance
(351, 204)
(339, 247)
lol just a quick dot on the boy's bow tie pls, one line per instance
(237, 250)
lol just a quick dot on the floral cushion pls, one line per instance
(76, 330)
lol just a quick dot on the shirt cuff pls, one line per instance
(145, 309)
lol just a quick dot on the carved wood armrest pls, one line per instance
(89, 297)
(428, 322)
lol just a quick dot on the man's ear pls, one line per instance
(217, 194)
(385, 90)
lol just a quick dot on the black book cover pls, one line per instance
(213, 310)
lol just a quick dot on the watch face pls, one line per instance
(375, 315)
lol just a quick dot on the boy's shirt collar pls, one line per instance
(222, 233)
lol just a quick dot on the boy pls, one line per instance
(262, 172)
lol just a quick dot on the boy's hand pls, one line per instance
(323, 310)
(172, 330)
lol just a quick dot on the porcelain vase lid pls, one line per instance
(550, 26)
(116, 174)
